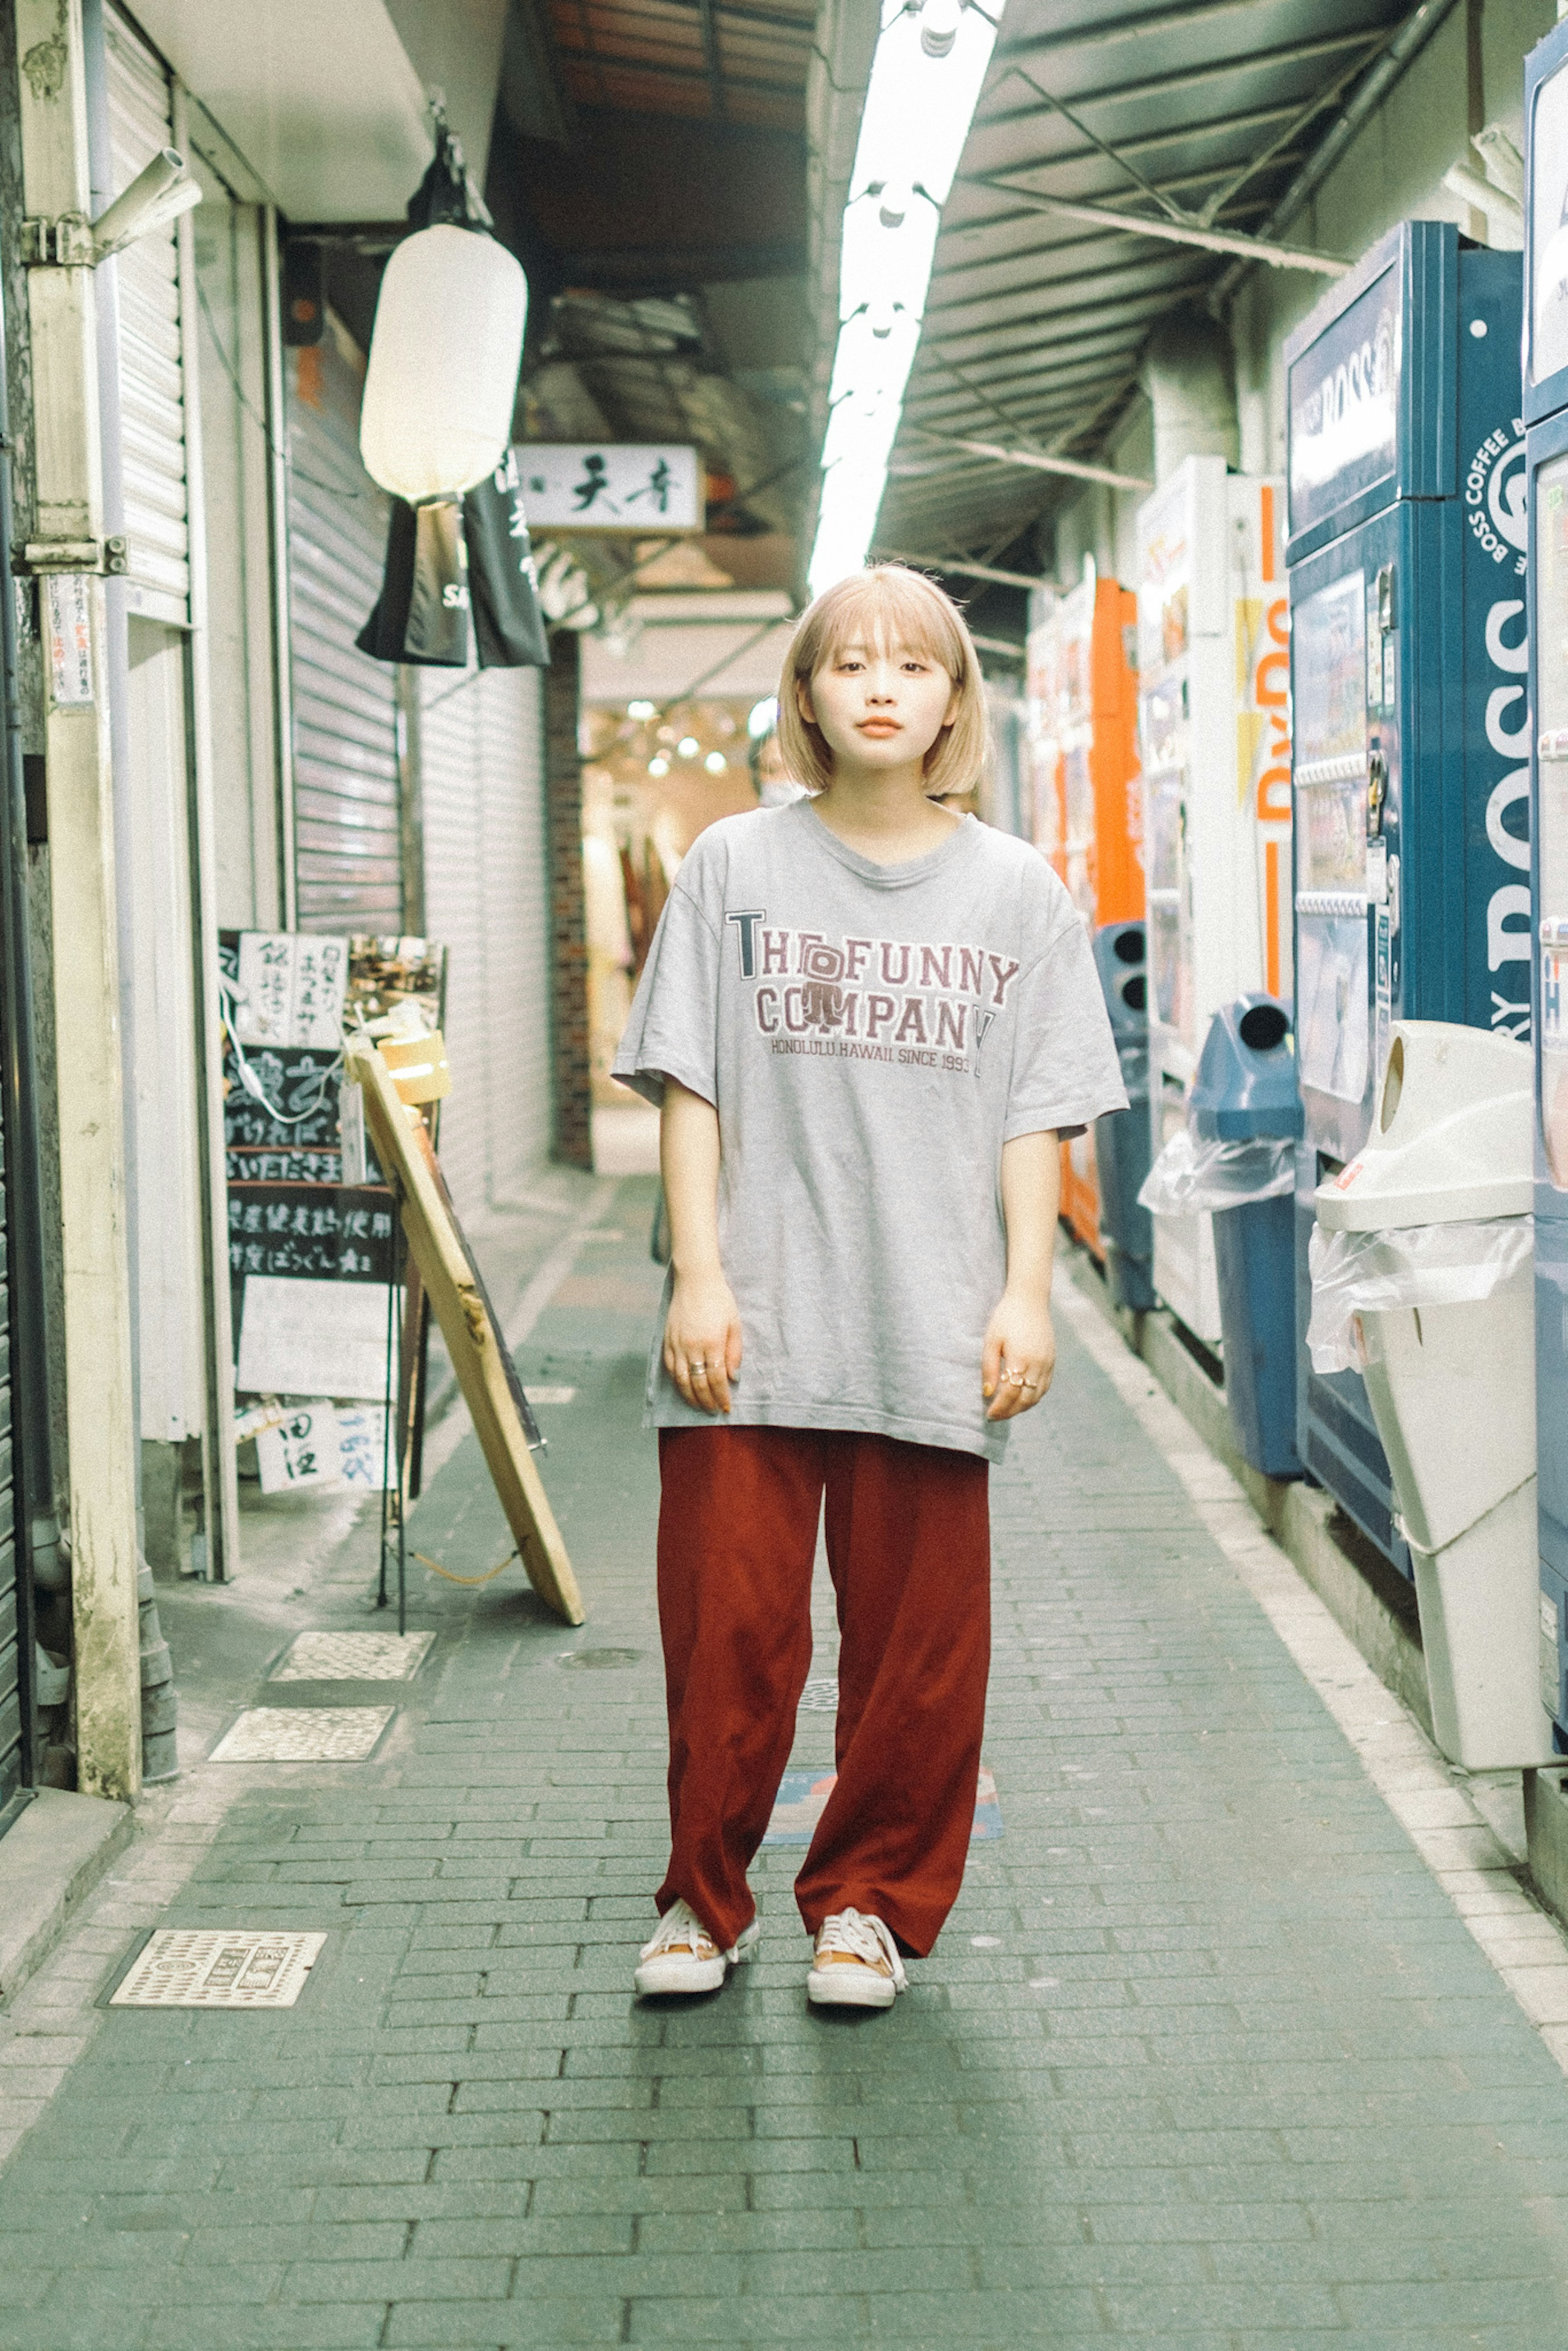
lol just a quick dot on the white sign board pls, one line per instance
(611, 485)
(70, 641)
(323, 1446)
(312, 1338)
(290, 989)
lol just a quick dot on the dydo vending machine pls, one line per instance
(1405, 556)
(1546, 468)
(1102, 813)
(1214, 714)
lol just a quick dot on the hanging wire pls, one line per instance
(283, 457)
(230, 990)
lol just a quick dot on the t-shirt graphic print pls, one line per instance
(870, 1035)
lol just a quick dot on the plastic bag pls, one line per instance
(1190, 1178)
(1423, 1265)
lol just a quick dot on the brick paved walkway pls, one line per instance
(1205, 2057)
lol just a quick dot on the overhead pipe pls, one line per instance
(1408, 41)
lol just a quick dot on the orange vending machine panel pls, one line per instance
(1100, 803)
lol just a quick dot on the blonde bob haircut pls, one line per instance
(902, 612)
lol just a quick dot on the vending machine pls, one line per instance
(1546, 475)
(1044, 817)
(1405, 556)
(1097, 730)
(1214, 723)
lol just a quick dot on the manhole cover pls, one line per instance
(354, 1657)
(820, 1695)
(303, 1734)
(210, 1968)
(600, 1661)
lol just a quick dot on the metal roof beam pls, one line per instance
(711, 62)
(1074, 467)
(1040, 285)
(1142, 26)
(1212, 126)
(964, 569)
(1209, 240)
(1188, 78)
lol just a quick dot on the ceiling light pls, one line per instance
(716, 763)
(659, 766)
(930, 62)
(762, 717)
(641, 709)
(689, 746)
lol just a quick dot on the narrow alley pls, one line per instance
(1208, 2054)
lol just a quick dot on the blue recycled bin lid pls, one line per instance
(1246, 1082)
(1119, 958)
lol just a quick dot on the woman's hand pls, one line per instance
(702, 1339)
(1020, 1353)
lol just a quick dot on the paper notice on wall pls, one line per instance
(290, 989)
(323, 1447)
(312, 1338)
(70, 641)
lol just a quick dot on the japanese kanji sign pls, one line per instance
(611, 485)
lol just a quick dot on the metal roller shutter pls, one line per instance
(348, 850)
(151, 371)
(12, 1754)
(485, 897)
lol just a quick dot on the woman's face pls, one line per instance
(879, 706)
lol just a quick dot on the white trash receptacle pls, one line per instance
(1452, 1384)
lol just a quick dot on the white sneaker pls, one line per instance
(684, 1957)
(856, 1963)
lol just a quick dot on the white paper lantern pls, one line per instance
(443, 373)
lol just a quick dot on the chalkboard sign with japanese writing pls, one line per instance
(311, 1232)
(297, 1110)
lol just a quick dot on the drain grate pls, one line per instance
(820, 1695)
(354, 1657)
(210, 1968)
(303, 1734)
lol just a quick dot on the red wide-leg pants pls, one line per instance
(908, 1542)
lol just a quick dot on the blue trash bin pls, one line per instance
(1122, 1149)
(1245, 1088)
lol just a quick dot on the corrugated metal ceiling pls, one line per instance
(721, 61)
(1035, 323)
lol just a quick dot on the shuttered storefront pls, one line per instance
(12, 1751)
(152, 371)
(481, 743)
(346, 832)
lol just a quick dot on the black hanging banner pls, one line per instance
(444, 568)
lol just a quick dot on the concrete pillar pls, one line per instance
(568, 918)
(69, 521)
(1189, 378)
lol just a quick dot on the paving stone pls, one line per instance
(1235, 2071)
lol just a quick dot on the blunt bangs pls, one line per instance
(895, 609)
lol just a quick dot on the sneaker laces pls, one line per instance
(680, 1926)
(856, 1935)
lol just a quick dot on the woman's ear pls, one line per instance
(954, 699)
(803, 701)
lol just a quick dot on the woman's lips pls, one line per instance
(880, 726)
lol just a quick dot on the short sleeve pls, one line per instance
(1065, 1072)
(674, 1027)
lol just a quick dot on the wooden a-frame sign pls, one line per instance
(478, 1353)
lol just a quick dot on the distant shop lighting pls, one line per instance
(689, 746)
(925, 80)
(659, 766)
(716, 763)
(641, 709)
(442, 377)
(762, 717)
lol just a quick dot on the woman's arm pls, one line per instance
(702, 1329)
(1020, 1345)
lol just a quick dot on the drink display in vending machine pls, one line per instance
(1546, 471)
(1096, 731)
(1214, 723)
(1405, 556)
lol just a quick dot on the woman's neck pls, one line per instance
(883, 812)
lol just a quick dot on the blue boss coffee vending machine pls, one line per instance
(1546, 466)
(1406, 556)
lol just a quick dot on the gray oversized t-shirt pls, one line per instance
(870, 1036)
